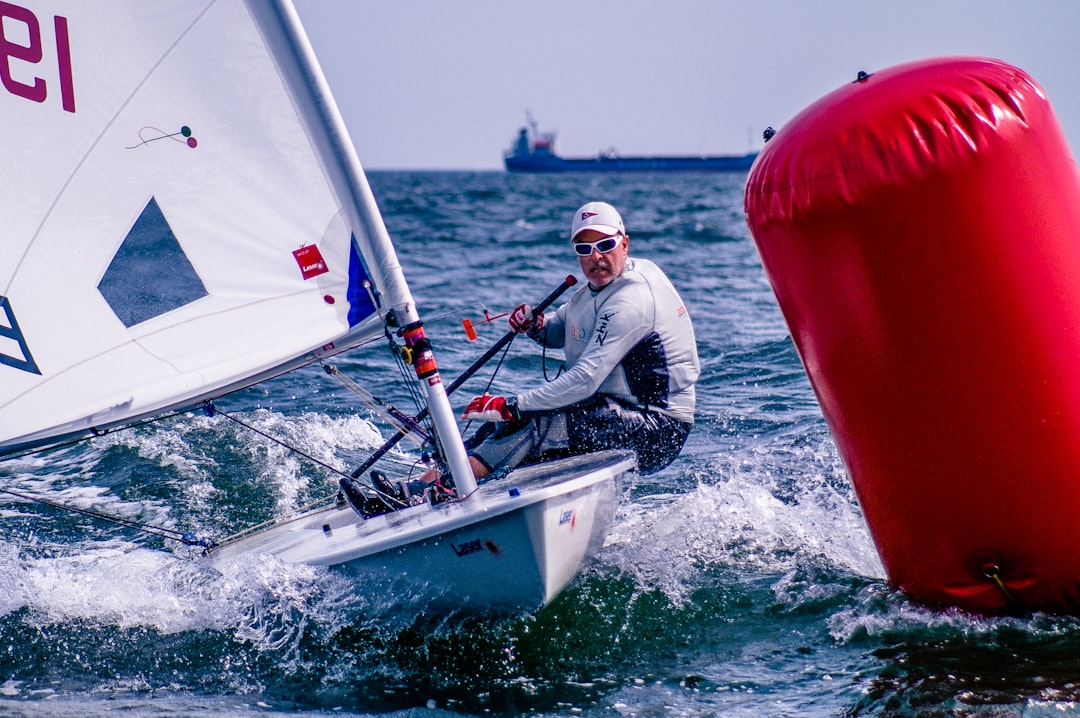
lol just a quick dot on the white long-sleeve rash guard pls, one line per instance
(632, 340)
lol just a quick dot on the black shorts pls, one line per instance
(595, 424)
(603, 422)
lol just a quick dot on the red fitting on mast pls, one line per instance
(419, 351)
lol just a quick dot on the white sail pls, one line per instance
(177, 200)
(183, 214)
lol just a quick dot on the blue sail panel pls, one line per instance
(360, 304)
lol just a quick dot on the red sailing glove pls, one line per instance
(491, 408)
(522, 320)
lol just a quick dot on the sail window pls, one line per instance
(150, 274)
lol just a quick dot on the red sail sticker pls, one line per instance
(311, 262)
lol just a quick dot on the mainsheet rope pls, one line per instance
(494, 373)
(211, 410)
(188, 539)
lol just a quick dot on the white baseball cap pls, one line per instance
(600, 216)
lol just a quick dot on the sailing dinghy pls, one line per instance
(185, 216)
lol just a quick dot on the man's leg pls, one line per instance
(604, 423)
(479, 471)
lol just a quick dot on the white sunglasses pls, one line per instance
(603, 246)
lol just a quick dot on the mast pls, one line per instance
(282, 29)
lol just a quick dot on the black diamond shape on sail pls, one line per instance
(150, 274)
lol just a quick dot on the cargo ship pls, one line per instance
(534, 151)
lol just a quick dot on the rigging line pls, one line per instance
(428, 318)
(498, 366)
(400, 420)
(410, 384)
(543, 364)
(211, 410)
(410, 387)
(375, 303)
(467, 374)
(94, 433)
(450, 312)
(188, 539)
(317, 503)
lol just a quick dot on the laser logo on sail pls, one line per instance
(311, 261)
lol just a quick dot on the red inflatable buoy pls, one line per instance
(920, 228)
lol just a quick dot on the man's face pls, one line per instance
(601, 268)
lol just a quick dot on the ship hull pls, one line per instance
(554, 163)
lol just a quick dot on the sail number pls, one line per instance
(21, 42)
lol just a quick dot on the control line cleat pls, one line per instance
(383, 486)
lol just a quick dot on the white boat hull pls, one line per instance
(515, 548)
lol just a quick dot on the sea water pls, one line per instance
(740, 581)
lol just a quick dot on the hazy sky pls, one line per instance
(444, 84)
